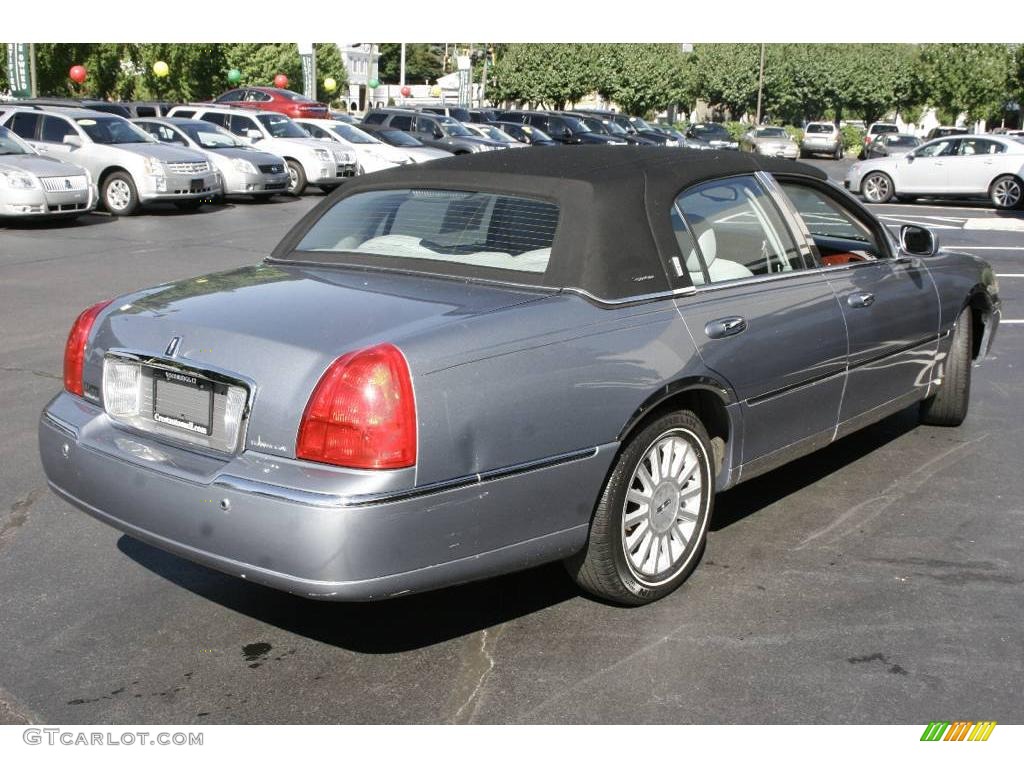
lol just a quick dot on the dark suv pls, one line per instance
(433, 130)
(564, 129)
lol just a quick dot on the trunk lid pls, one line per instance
(280, 327)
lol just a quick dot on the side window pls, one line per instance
(235, 95)
(24, 124)
(938, 148)
(55, 129)
(240, 125)
(258, 96)
(184, 113)
(315, 131)
(738, 232)
(401, 122)
(217, 118)
(840, 236)
(374, 118)
(143, 111)
(980, 147)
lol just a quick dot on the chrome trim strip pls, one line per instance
(60, 424)
(337, 501)
(675, 293)
(799, 385)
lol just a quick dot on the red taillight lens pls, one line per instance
(362, 413)
(74, 349)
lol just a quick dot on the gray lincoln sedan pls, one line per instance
(451, 371)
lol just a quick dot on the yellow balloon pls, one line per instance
(435, 91)
(160, 69)
(330, 84)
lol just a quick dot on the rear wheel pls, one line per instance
(119, 194)
(948, 406)
(877, 187)
(1006, 192)
(838, 154)
(650, 525)
(296, 178)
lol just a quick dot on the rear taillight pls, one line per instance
(74, 349)
(362, 413)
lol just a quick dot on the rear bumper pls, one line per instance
(325, 546)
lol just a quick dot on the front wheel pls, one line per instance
(877, 188)
(948, 406)
(1006, 192)
(119, 194)
(296, 178)
(650, 525)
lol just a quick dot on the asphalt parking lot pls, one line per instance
(878, 581)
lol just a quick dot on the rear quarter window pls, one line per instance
(439, 228)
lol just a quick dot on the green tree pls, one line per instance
(196, 71)
(974, 78)
(259, 63)
(109, 68)
(329, 64)
(423, 62)
(645, 77)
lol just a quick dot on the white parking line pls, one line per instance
(989, 247)
(1011, 322)
(902, 220)
(1009, 274)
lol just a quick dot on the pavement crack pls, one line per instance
(33, 371)
(13, 714)
(478, 668)
(860, 514)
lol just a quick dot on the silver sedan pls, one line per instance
(770, 141)
(244, 169)
(32, 185)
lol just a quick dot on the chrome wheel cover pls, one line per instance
(1006, 193)
(877, 188)
(662, 511)
(119, 195)
(293, 178)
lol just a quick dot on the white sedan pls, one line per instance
(953, 166)
(372, 154)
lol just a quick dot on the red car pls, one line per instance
(274, 100)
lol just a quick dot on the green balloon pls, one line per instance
(374, 83)
(234, 76)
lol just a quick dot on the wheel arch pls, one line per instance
(112, 169)
(980, 304)
(710, 399)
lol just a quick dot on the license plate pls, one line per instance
(196, 185)
(183, 401)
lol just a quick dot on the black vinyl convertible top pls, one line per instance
(614, 232)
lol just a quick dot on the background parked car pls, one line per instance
(97, 105)
(417, 151)
(483, 115)
(37, 186)
(873, 132)
(771, 141)
(454, 111)
(606, 127)
(244, 170)
(715, 135)
(434, 130)
(527, 134)
(822, 138)
(891, 144)
(632, 126)
(494, 133)
(309, 161)
(274, 100)
(564, 129)
(371, 154)
(942, 131)
(129, 166)
(955, 166)
(149, 108)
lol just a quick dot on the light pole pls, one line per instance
(760, 86)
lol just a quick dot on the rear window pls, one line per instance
(434, 227)
(820, 128)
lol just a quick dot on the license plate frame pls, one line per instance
(182, 385)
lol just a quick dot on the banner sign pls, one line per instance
(18, 76)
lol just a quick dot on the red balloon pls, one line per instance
(281, 81)
(78, 73)
(406, 91)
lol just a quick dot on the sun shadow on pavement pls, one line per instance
(746, 499)
(391, 626)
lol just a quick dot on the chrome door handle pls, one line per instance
(860, 299)
(726, 326)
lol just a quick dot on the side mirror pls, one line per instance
(918, 241)
(910, 157)
(72, 141)
(253, 135)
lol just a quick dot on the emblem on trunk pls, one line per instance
(172, 348)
